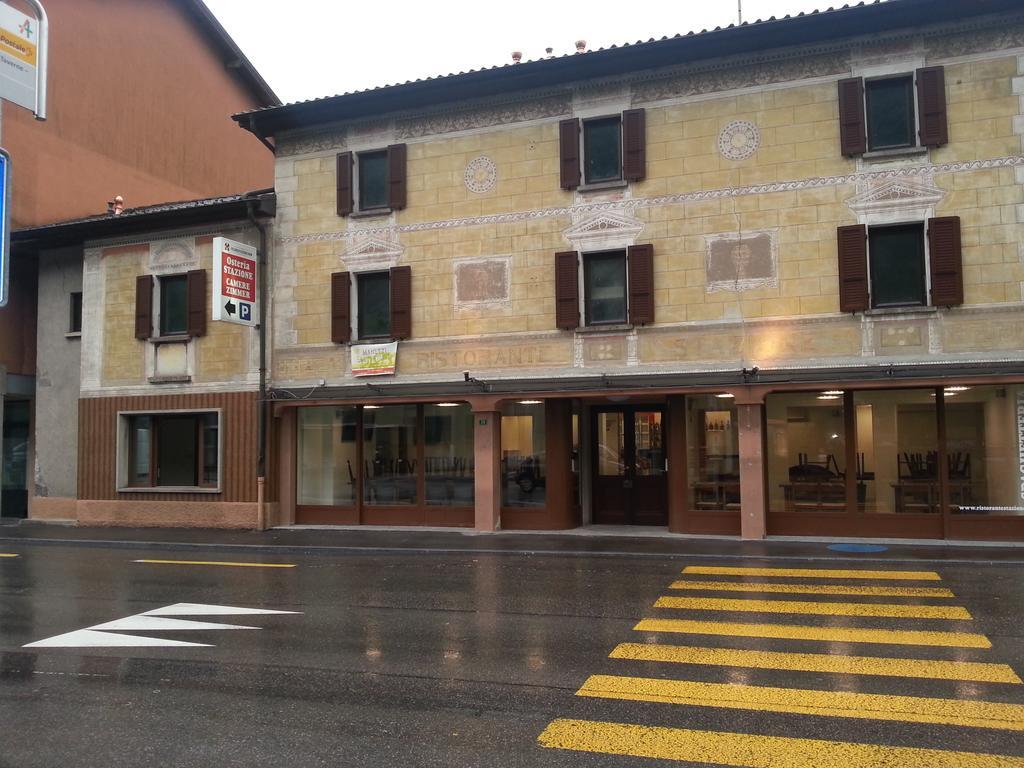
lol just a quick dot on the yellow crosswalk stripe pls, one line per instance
(982, 672)
(817, 609)
(751, 751)
(814, 573)
(825, 634)
(797, 701)
(217, 562)
(812, 589)
(4, 554)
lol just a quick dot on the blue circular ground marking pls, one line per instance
(857, 547)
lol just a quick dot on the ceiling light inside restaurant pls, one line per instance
(832, 392)
(956, 389)
(448, 405)
(828, 397)
(724, 395)
(530, 402)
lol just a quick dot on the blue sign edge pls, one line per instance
(5, 224)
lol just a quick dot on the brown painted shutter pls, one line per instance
(341, 307)
(634, 145)
(569, 152)
(853, 268)
(396, 177)
(931, 106)
(852, 122)
(640, 263)
(401, 302)
(946, 261)
(345, 202)
(196, 281)
(567, 290)
(143, 307)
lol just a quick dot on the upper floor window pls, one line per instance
(372, 181)
(618, 287)
(181, 305)
(890, 113)
(173, 305)
(372, 189)
(75, 312)
(894, 112)
(604, 287)
(374, 305)
(900, 265)
(603, 150)
(897, 270)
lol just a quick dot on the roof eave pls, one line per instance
(801, 30)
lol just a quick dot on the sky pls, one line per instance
(311, 48)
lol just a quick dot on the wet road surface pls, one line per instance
(447, 658)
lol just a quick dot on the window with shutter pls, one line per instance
(143, 307)
(640, 260)
(341, 308)
(567, 292)
(890, 113)
(401, 302)
(174, 305)
(852, 136)
(373, 291)
(373, 190)
(896, 260)
(853, 268)
(569, 152)
(604, 288)
(945, 255)
(345, 199)
(931, 106)
(634, 145)
(196, 280)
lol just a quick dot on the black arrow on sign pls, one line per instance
(230, 307)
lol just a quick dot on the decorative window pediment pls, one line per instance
(604, 231)
(372, 252)
(896, 196)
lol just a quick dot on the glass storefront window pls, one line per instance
(897, 451)
(523, 464)
(806, 452)
(328, 464)
(985, 449)
(713, 453)
(389, 454)
(448, 454)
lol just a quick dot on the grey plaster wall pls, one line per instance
(58, 373)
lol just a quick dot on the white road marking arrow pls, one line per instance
(105, 635)
(88, 638)
(199, 609)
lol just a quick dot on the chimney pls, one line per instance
(549, 52)
(517, 56)
(581, 46)
(116, 206)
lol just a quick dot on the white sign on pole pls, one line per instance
(23, 43)
(235, 268)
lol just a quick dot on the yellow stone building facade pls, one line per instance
(775, 330)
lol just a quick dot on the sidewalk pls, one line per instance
(583, 542)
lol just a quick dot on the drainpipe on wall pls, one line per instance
(260, 211)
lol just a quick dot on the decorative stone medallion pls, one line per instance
(481, 175)
(739, 140)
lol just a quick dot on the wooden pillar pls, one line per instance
(285, 450)
(560, 501)
(675, 446)
(487, 469)
(752, 484)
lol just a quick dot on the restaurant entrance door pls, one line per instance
(629, 478)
